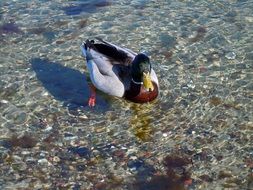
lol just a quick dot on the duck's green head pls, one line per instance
(141, 70)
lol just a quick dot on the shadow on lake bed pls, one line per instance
(87, 6)
(65, 84)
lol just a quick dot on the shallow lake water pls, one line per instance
(197, 135)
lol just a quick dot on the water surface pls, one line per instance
(196, 135)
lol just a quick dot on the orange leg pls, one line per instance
(92, 99)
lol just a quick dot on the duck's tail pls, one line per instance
(89, 44)
(85, 48)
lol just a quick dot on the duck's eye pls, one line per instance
(143, 65)
(150, 67)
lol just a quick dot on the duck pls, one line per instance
(119, 72)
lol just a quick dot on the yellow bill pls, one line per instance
(147, 81)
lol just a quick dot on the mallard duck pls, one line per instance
(119, 72)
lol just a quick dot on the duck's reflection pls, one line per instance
(141, 121)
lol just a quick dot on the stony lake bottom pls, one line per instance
(197, 135)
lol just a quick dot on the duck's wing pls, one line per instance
(116, 52)
(110, 53)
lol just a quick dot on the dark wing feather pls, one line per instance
(109, 51)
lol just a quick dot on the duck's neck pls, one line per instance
(134, 89)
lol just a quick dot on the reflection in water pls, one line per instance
(141, 121)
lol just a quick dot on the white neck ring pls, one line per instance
(136, 82)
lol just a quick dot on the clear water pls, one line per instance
(202, 52)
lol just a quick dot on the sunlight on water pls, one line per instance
(196, 135)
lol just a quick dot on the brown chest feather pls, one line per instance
(138, 94)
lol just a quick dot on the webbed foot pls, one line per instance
(92, 99)
(92, 102)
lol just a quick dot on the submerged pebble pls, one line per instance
(230, 55)
(44, 161)
(81, 151)
(69, 136)
(135, 164)
(21, 166)
(200, 33)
